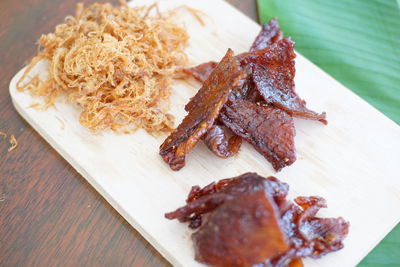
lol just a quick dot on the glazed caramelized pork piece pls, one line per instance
(273, 74)
(258, 108)
(270, 130)
(213, 95)
(247, 221)
(218, 142)
(270, 33)
(202, 71)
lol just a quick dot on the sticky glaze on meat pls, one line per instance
(213, 94)
(273, 73)
(218, 142)
(267, 93)
(238, 230)
(270, 130)
(202, 71)
(232, 217)
(270, 33)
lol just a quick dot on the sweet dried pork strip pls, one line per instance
(232, 212)
(273, 71)
(270, 130)
(235, 233)
(213, 95)
(216, 139)
(270, 33)
(224, 190)
(202, 71)
(218, 142)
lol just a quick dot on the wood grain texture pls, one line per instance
(49, 215)
(341, 162)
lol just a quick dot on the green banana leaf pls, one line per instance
(358, 43)
(355, 41)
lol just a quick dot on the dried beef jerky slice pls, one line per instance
(211, 98)
(270, 33)
(273, 74)
(269, 129)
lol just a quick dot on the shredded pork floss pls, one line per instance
(116, 63)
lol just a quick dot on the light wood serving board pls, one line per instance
(353, 162)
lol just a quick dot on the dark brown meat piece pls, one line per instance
(213, 95)
(203, 200)
(269, 85)
(202, 71)
(309, 236)
(216, 138)
(270, 33)
(217, 141)
(273, 74)
(233, 215)
(270, 130)
(235, 233)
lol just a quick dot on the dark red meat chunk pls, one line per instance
(264, 93)
(213, 95)
(273, 74)
(202, 71)
(247, 221)
(270, 33)
(218, 142)
(270, 130)
(235, 233)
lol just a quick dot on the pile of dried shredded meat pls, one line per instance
(247, 221)
(116, 63)
(252, 94)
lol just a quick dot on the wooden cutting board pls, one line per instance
(353, 162)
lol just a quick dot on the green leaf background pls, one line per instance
(358, 43)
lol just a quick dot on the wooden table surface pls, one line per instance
(49, 214)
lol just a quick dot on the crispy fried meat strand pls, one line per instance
(273, 73)
(270, 130)
(213, 94)
(217, 141)
(247, 221)
(270, 33)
